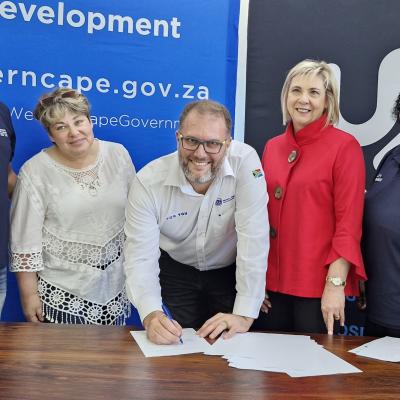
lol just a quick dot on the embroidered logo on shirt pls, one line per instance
(220, 201)
(257, 173)
(379, 178)
(179, 214)
(3, 132)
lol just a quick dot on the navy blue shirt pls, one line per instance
(381, 243)
(7, 145)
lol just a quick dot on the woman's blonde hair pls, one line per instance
(314, 68)
(51, 107)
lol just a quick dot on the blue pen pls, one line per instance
(169, 316)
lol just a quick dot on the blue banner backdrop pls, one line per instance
(137, 62)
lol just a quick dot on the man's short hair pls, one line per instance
(207, 107)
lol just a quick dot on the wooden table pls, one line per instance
(47, 361)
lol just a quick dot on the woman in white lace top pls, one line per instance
(67, 220)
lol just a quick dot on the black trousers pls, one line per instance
(373, 329)
(193, 296)
(292, 314)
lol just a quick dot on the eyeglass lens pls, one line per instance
(210, 146)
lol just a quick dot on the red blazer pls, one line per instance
(315, 182)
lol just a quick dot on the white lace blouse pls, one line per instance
(67, 225)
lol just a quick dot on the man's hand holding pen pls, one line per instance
(161, 329)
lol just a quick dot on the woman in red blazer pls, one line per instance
(315, 177)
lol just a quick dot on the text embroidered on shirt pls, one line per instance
(228, 199)
(379, 178)
(3, 132)
(180, 214)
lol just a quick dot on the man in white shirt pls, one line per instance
(197, 232)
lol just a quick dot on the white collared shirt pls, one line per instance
(229, 222)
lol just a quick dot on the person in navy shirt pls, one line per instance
(381, 245)
(7, 183)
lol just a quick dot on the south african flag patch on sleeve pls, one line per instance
(257, 173)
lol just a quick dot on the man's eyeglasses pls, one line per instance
(49, 100)
(210, 146)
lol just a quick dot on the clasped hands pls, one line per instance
(161, 330)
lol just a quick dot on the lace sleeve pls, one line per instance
(26, 262)
(27, 217)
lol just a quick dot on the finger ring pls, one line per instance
(226, 325)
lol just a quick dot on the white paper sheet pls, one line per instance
(295, 355)
(191, 344)
(385, 349)
(252, 343)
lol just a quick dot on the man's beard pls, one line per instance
(199, 180)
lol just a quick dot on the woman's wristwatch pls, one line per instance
(336, 281)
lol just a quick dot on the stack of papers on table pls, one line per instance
(191, 344)
(385, 349)
(296, 355)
